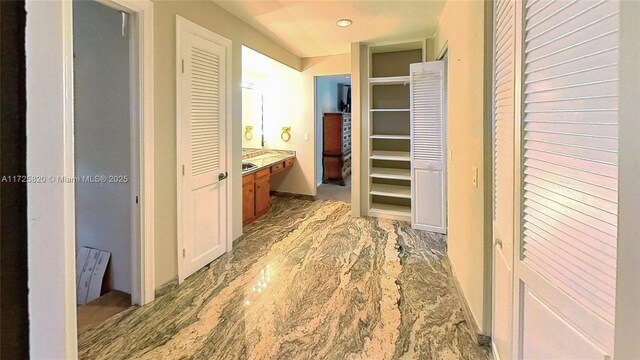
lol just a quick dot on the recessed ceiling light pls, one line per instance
(344, 22)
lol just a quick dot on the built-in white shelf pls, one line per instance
(390, 137)
(389, 110)
(390, 155)
(389, 90)
(393, 211)
(396, 191)
(392, 80)
(390, 173)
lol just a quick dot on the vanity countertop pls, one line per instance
(264, 158)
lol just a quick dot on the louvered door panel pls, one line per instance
(428, 163)
(427, 116)
(503, 175)
(503, 119)
(202, 115)
(205, 111)
(570, 148)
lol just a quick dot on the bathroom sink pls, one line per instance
(248, 166)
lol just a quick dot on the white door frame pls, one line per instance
(142, 170)
(50, 153)
(227, 140)
(316, 121)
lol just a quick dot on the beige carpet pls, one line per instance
(97, 311)
(336, 192)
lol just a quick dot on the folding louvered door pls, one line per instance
(566, 258)
(428, 165)
(201, 148)
(503, 132)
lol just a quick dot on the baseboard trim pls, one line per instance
(481, 338)
(166, 288)
(173, 283)
(237, 240)
(297, 196)
(494, 352)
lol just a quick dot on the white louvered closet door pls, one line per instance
(567, 262)
(503, 139)
(202, 71)
(428, 147)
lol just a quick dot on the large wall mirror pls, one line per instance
(252, 124)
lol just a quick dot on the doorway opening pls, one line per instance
(106, 160)
(332, 97)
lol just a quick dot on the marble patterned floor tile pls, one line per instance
(308, 281)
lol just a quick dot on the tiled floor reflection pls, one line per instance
(308, 281)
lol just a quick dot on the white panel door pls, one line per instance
(503, 177)
(201, 148)
(428, 160)
(565, 268)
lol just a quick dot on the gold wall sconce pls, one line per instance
(286, 136)
(248, 134)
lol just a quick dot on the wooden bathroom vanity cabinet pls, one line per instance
(256, 187)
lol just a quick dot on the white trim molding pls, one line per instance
(50, 153)
(143, 266)
(50, 205)
(628, 260)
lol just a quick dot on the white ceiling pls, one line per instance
(308, 28)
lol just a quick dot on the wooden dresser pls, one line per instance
(336, 148)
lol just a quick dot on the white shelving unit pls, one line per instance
(397, 191)
(390, 110)
(390, 80)
(390, 155)
(393, 211)
(390, 173)
(391, 137)
(388, 128)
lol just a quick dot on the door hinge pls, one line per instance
(184, 252)
(124, 28)
(136, 199)
(183, 66)
(182, 170)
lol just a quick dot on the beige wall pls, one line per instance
(301, 180)
(462, 31)
(282, 89)
(213, 17)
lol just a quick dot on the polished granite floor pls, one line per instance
(308, 281)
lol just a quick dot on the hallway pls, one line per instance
(306, 281)
(332, 191)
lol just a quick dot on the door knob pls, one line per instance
(222, 176)
(499, 243)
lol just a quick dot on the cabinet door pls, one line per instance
(262, 195)
(248, 202)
